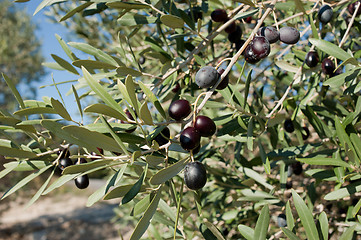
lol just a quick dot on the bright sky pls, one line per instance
(46, 34)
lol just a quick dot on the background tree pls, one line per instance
(20, 52)
(279, 152)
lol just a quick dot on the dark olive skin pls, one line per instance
(206, 77)
(352, 7)
(224, 83)
(82, 182)
(249, 55)
(141, 60)
(248, 19)
(163, 137)
(239, 44)
(312, 59)
(260, 47)
(289, 184)
(190, 138)
(176, 88)
(307, 135)
(219, 15)
(325, 14)
(195, 175)
(231, 27)
(295, 168)
(288, 126)
(64, 153)
(281, 220)
(289, 35)
(270, 33)
(179, 109)
(328, 67)
(64, 162)
(205, 126)
(236, 35)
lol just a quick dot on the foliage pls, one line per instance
(248, 160)
(20, 53)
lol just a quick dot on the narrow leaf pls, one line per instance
(13, 89)
(260, 232)
(63, 63)
(145, 114)
(105, 110)
(324, 225)
(330, 49)
(246, 231)
(60, 109)
(135, 188)
(167, 173)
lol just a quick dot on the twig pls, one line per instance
(350, 25)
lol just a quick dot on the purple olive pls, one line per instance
(195, 175)
(289, 35)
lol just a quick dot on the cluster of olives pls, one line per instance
(81, 182)
(195, 175)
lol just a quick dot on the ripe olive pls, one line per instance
(328, 67)
(249, 55)
(281, 220)
(270, 33)
(206, 77)
(289, 35)
(312, 59)
(205, 126)
(236, 35)
(224, 83)
(64, 162)
(82, 181)
(179, 109)
(219, 15)
(288, 126)
(176, 88)
(195, 175)
(190, 138)
(295, 168)
(260, 47)
(231, 27)
(305, 136)
(163, 137)
(325, 14)
(352, 7)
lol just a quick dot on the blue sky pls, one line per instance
(46, 34)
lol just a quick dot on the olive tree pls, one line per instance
(216, 120)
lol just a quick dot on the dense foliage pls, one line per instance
(284, 161)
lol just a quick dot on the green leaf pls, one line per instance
(80, 168)
(344, 192)
(145, 115)
(257, 177)
(172, 21)
(127, 5)
(91, 64)
(41, 190)
(356, 208)
(24, 181)
(4, 172)
(265, 160)
(319, 160)
(214, 230)
(59, 182)
(112, 181)
(13, 89)
(100, 91)
(249, 134)
(28, 165)
(102, 56)
(262, 224)
(144, 222)
(60, 109)
(141, 206)
(63, 63)
(289, 234)
(242, 15)
(348, 233)
(75, 10)
(105, 110)
(287, 66)
(324, 225)
(125, 71)
(91, 139)
(35, 110)
(118, 192)
(246, 231)
(289, 217)
(131, 19)
(65, 47)
(151, 96)
(154, 160)
(77, 99)
(14, 152)
(135, 188)
(330, 49)
(167, 173)
(130, 88)
(46, 3)
(115, 136)
(306, 217)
